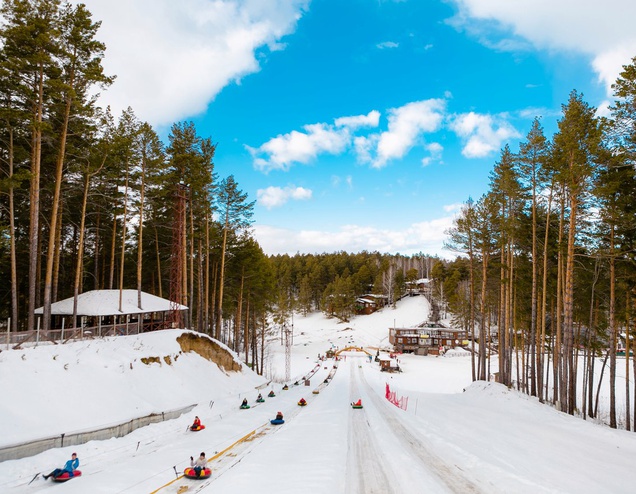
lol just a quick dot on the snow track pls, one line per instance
(449, 478)
(367, 472)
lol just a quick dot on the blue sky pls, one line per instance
(360, 124)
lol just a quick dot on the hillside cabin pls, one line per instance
(369, 303)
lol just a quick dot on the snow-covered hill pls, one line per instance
(85, 385)
(450, 436)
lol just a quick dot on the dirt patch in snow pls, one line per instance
(209, 350)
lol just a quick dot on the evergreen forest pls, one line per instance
(544, 273)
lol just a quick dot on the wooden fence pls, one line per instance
(15, 340)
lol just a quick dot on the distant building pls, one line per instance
(432, 338)
(369, 303)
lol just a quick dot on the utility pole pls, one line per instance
(289, 334)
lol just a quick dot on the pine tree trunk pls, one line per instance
(246, 331)
(59, 168)
(206, 309)
(142, 189)
(612, 332)
(57, 254)
(34, 198)
(191, 311)
(568, 311)
(112, 253)
(14, 263)
(99, 278)
(239, 311)
(123, 244)
(219, 308)
(80, 247)
(159, 277)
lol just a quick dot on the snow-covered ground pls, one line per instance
(454, 436)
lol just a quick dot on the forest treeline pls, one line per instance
(90, 200)
(546, 268)
(547, 276)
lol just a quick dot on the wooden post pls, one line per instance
(37, 338)
(8, 333)
(62, 336)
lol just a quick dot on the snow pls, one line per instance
(106, 303)
(454, 436)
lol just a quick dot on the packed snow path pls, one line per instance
(332, 445)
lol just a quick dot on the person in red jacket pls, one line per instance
(197, 422)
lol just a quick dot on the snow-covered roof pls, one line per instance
(106, 303)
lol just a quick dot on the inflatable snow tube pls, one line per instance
(302, 403)
(66, 476)
(262, 400)
(356, 406)
(197, 428)
(192, 474)
(244, 407)
(277, 421)
(271, 395)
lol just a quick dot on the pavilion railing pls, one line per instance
(15, 340)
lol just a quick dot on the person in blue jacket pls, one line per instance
(70, 466)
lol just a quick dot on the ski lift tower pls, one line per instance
(288, 343)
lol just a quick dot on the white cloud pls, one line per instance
(603, 109)
(427, 237)
(451, 208)
(604, 31)
(273, 197)
(435, 148)
(371, 119)
(482, 134)
(172, 58)
(405, 126)
(299, 147)
(387, 44)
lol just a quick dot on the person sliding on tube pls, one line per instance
(70, 466)
(198, 464)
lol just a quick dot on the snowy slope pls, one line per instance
(54, 389)
(454, 436)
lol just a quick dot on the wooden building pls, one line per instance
(431, 338)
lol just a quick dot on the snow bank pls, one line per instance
(85, 385)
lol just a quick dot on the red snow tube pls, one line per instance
(66, 476)
(197, 428)
(191, 474)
